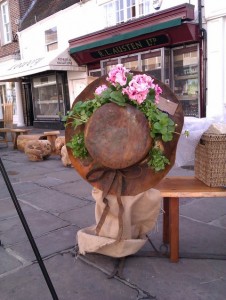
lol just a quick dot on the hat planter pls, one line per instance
(123, 142)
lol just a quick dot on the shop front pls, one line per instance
(50, 99)
(167, 45)
(42, 88)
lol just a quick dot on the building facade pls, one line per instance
(182, 43)
(45, 64)
(179, 42)
(10, 14)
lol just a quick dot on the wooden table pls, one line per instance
(172, 189)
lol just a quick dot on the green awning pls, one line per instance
(127, 35)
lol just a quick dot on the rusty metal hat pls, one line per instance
(118, 142)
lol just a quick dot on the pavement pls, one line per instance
(57, 202)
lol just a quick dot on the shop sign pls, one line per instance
(30, 64)
(131, 46)
(64, 61)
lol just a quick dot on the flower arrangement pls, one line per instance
(124, 88)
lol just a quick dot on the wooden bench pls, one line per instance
(173, 188)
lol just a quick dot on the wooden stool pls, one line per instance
(51, 137)
(16, 133)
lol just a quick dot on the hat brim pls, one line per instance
(132, 184)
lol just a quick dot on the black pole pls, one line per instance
(27, 230)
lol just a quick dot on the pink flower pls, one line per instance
(100, 89)
(117, 75)
(158, 91)
(139, 87)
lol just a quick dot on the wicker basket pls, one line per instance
(210, 159)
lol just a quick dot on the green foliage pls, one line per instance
(118, 98)
(160, 123)
(77, 144)
(82, 111)
(157, 160)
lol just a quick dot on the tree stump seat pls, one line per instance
(38, 150)
(16, 132)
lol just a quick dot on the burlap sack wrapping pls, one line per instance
(139, 218)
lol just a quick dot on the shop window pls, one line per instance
(48, 97)
(119, 11)
(152, 63)
(51, 39)
(95, 73)
(186, 78)
(131, 62)
(5, 27)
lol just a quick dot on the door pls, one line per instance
(28, 113)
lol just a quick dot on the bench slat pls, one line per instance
(188, 186)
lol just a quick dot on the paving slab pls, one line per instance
(205, 209)
(48, 181)
(81, 216)
(39, 222)
(72, 279)
(51, 243)
(66, 174)
(49, 200)
(21, 188)
(198, 237)
(8, 210)
(7, 261)
(188, 279)
(220, 222)
(79, 188)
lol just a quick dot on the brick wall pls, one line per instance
(11, 48)
(17, 9)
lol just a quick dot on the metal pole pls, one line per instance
(28, 232)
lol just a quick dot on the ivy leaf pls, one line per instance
(77, 144)
(168, 136)
(157, 160)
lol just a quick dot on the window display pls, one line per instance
(178, 68)
(48, 97)
(186, 78)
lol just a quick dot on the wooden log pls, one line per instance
(38, 150)
(59, 143)
(23, 139)
(64, 157)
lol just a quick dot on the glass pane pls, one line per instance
(107, 65)
(45, 95)
(130, 62)
(61, 110)
(51, 47)
(166, 69)
(151, 64)
(51, 35)
(186, 79)
(95, 73)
